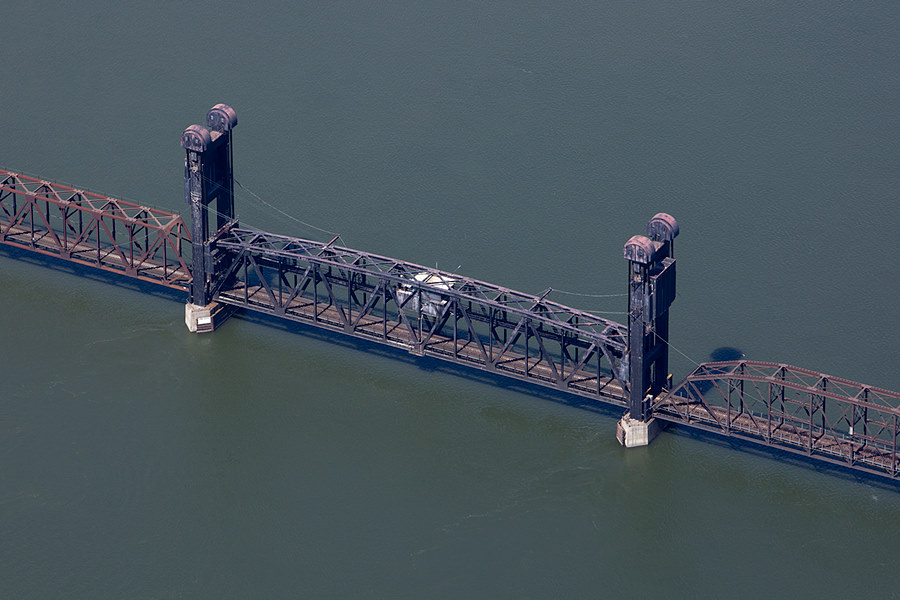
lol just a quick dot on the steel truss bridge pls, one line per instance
(443, 315)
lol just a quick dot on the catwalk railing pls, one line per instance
(793, 409)
(94, 230)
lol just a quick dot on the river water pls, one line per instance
(524, 142)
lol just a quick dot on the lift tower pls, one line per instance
(208, 179)
(651, 290)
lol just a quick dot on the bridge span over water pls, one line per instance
(223, 267)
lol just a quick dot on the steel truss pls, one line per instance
(425, 311)
(451, 317)
(94, 230)
(794, 409)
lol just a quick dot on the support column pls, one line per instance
(208, 178)
(633, 433)
(651, 290)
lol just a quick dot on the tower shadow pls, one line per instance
(720, 354)
(724, 353)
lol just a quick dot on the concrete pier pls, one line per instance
(203, 319)
(632, 433)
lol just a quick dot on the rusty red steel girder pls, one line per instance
(793, 409)
(94, 230)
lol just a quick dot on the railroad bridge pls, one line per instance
(224, 267)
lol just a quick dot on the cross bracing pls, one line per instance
(424, 310)
(94, 230)
(793, 409)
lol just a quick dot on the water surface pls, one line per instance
(525, 142)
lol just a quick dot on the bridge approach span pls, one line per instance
(94, 230)
(792, 409)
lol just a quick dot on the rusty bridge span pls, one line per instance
(223, 267)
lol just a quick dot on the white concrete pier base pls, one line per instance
(203, 319)
(632, 433)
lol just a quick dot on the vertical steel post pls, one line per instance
(195, 140)
(208, 178)
(638, 251)
(221, 119)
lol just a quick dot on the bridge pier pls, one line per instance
(633, 433)
(203, 319)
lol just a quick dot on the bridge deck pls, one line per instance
(444, 347)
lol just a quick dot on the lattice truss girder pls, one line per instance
(793, 408)
(94, 230)
(424, 310)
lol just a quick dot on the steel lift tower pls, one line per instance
(651, 290)
(208, 179)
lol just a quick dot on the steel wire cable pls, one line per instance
(281, 212)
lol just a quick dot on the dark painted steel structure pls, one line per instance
(651, 290)
(208, 180)
(424, 311)
(451, 317)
